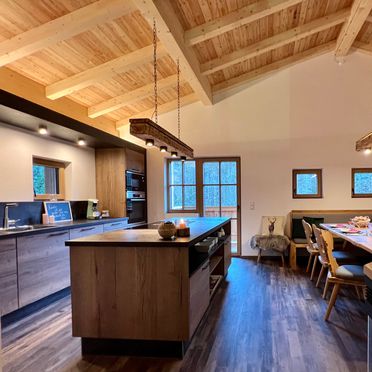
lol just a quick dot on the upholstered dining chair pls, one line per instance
(340, 275)
(311, 247)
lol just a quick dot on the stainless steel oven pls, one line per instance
(135, 181)
(136, 207)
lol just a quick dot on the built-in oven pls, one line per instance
(136, 207)
(135, 181)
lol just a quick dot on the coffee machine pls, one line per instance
(92, 210)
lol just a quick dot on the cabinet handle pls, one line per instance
(57, 234)
(87, 228)
(115, 223)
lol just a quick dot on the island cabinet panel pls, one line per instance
(199, 296)
(85, 231)
(130, 292)
(8, 276)
(43, 265)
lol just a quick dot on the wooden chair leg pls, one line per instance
(320, 276)
(357, 292)
(259, 255)
(314, 266)
(326, 288)
(332, 301)
(293, 256)
(283, 262)
(309, 263)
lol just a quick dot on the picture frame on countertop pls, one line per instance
(61, 210)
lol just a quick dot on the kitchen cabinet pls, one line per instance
(8, 276)
(135, 161)
(199, 295)
(85, 231)
(119, 225)
(43, 265)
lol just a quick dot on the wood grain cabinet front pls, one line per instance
(43, 265)
(199, 296)
(112, 226)
(8, 276)
(85, 231)
(135, 161)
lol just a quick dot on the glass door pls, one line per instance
(221, 194)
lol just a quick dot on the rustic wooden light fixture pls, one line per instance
(154, 134)
(364, 143)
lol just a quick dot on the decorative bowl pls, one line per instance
(167, 230)
(361, 222)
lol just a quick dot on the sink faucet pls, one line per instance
(7, 222)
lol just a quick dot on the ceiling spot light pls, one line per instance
(43, 130)
(81, 142)
(183, 158)
(163, 148)
(149, 142)
(340, 60)
(174, 154)
(367, 151)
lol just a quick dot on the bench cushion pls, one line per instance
(300, 241)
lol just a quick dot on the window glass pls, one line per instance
(45, 180)
(175, 173)
(176, 197)
(189, 173)
(307, 184)
(190, 197)
(211, 173)
(362, 182)
(228, 172)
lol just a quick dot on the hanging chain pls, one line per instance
(178, 100)
(155, 74)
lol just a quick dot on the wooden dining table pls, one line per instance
(363, 239)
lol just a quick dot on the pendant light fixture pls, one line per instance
(152, 133)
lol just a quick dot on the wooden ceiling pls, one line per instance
(93, 59)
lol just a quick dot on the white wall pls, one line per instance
(306, 117)
(16, 151)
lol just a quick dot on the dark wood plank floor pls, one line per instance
(263, 318)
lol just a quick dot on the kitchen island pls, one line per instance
(134, 293)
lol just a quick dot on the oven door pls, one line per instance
(136, 210)
(135, 181)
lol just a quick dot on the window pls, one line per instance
(307, 183)
(361, 182)
(181, 186)
(48, 179)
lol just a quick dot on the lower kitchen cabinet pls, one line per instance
(111, 226)
(8, 276)
(82, 232)
(43, 265)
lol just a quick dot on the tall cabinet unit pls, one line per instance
(111, 164)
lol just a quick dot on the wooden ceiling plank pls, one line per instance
(130, 97)
(21, 86)
(277, 66)
(101, 72)
(162, 109)
(235, 19)
(358, 15)
(362, 47)
(171, 34)
(62, 28)
(275, 42)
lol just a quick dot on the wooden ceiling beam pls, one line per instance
(62, 28)
(275, 42)
(30, 90)
(162, 109)
(235, 19)
(131, 97)
(101, 72)
(277, 66)
(358, 15)
(171, 34)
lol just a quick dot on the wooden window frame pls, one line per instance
(318, 195)
(359, 170)
(169, 185)
(61, 178)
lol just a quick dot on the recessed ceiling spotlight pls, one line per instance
(340, 60)
(367, 151)
(81, 142)
(43, 130)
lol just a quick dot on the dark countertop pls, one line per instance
(59, 226)
(200, 228)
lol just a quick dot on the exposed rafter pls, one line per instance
(266, 70)
(235, 19)
(359, 13)
(275, 41)
(101, 72)
(165, 107)
(130, 97)
(171, 34)
(62, 28)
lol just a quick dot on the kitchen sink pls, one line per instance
(22, 228)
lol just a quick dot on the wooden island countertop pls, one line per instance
(134, 293)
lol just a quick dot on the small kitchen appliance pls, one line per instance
(92, 210)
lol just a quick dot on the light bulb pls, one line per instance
(149, 142)
(163, 149)
(367, 151)
(81, 142)
(174, 154)
(43, 130)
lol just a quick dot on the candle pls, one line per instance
(182, 224)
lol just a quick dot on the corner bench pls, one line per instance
(330, 216)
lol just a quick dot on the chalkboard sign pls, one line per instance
(61, 210)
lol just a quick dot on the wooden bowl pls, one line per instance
(167, 230)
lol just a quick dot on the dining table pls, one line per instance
(360, 237)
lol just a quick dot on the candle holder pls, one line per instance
(183, 232)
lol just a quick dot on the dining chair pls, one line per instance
(340, 275)
(311, 247)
